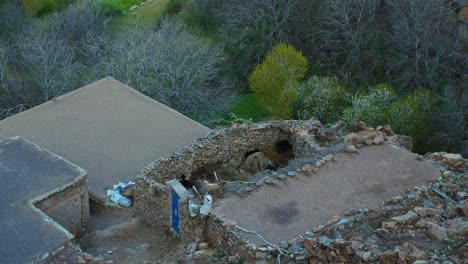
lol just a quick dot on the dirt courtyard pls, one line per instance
(297, 204)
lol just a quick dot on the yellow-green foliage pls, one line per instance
(39, 7)
(274, 81)
(323, 98)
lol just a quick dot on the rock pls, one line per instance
(427, 204)
(389, 225)
(421, 262)
(368, 142)
(352, 138)
(326, 241)
(269, 181)
(203, 245)
(366, 256)
(447, 174)
(282, 177)
(404, 141)
(382, 232)
(328, 158)
(309, 169)
(283, 244)
(88, 257)
(291, 173)
(259, 183)
(318, 229)
(318, 164)
(464, 250)
(455, 161)
(260, 255)
(436, 232)
(191, 248)
(462, 195)
(458, 227)
(416, 254)
(464, 209)
(232, 259)
(424, 212)
(409, 218)
(335, 219)
(389, 257)
(378, 140)
(256, 162)
(387, 130)
(351, 149)
(80, 260)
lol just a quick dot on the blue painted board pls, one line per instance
(175, 213)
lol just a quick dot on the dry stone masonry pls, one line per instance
(427, 224)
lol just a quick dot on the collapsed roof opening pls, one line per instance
(281, 153)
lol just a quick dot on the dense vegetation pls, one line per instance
(399, 62)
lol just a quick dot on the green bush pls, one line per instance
(119, 5)
(39, 7)
(406, 119)
(323, 98)
(246, 106)
(274, 81)
(371, 106)
(423, 100)
(173, 7)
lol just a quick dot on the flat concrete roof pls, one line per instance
(107, 128)
(298, 204)
(27, 173)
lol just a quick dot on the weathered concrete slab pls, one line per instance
(178, 189)
(298, 204)
(27, 173)
(107, 128)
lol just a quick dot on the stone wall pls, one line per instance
(69, 207)
(153, 196)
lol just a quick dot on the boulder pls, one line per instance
(351, 149)
(256, 162)
(436, 231)
(378, 140)
(387, 129)
(404, 141)
(455, 161)
(407, 218)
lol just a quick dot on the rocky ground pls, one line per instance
(426, 224)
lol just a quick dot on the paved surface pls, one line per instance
(107, 128)
(26, 172)
(354, 181)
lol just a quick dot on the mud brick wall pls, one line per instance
(68, 207)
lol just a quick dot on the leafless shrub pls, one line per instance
(348, 35)
(251, 28)
(48, 60)
(171, 65)
(425, 43)
(449, 125)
